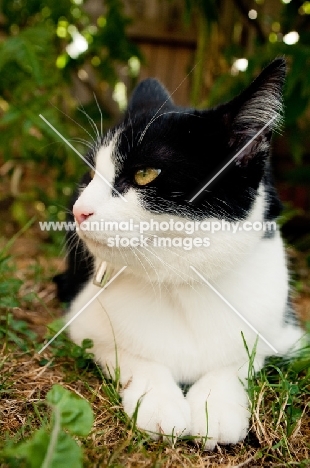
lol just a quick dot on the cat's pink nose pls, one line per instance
(81, 213)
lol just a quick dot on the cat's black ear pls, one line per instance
(257, 111)
(148, 94)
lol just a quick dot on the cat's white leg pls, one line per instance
(219, 408)
(149, 389)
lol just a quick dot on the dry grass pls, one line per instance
(275, 439)
(113, 443)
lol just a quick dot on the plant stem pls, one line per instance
(53, 439)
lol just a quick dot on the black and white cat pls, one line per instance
(159, 320)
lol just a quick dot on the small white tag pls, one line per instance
(102, 275)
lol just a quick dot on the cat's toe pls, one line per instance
(215, 419)
(159, 412)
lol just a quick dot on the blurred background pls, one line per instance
(76, 62)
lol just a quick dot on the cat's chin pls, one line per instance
(95, 246)
(90, 242)
(159, 266)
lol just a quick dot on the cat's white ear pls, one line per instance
(258, 109)
(148, 94)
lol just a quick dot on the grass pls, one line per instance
(279, 394)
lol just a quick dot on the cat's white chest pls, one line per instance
(189, 328)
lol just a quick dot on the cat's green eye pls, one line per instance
(92, 173)
(147, 175)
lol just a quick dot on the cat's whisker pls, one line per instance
(71, 246)
(123, 255)
(92, 123)
(187, 282)
(77, 123)
(64, 249)
(76, 249)
(74, 242)
(175, 271)
(146, 272)
(101, 118)
(148, 260)
(172, 251)
(83, 142)
(69, 241)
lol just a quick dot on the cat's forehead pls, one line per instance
(106, 156)
(125, 139)
(104, 159)
(152, 138)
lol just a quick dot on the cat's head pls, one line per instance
(165, 162)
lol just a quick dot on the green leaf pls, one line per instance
(56, 325)
(56, 448)
(19, 50)
(10, 285)
(66, 454)
(19, 212)
(296, 105)
(87, 343)
(75, 413)
(33, 450)
(8, 302)
(11, 116)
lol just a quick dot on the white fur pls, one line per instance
(169, 327)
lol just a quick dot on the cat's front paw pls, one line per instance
(159, 410)
(218, 414)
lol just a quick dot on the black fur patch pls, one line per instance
(80, 262)
(189, 147)
(290, 317)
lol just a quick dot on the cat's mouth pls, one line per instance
(90, 240)
(115, 241)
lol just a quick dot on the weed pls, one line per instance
(280, 397)
(54, 447)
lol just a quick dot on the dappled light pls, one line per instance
(68, 69)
